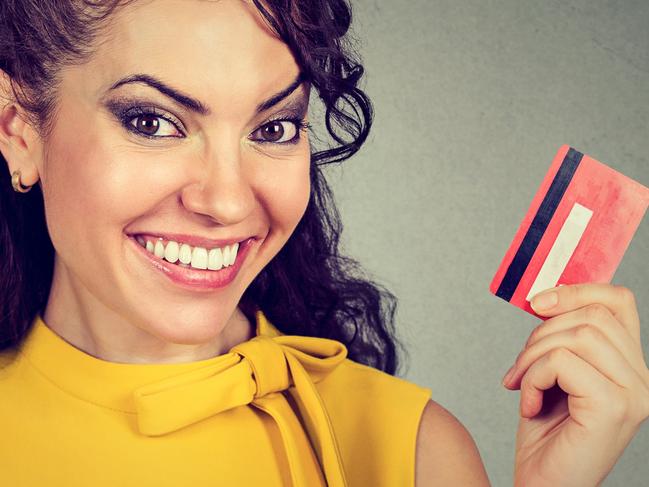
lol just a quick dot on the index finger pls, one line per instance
(618, 299)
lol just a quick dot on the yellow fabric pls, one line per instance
(277, 410)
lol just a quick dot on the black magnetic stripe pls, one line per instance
(540, 223)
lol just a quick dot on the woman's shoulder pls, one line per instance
(380, 416)
(389, 407)
(364, 382)
(446, 452)
(375, 416)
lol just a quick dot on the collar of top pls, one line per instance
(257, 373)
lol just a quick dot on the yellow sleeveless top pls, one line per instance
(276, 410)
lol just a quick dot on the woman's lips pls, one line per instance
(196, 279)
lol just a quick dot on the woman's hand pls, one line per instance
(588, 359)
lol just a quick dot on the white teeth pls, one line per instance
(215, 260)
(233, 252)
(196, 257)
(185, 255)
(199, 258)
(171, 252)
(159, 249)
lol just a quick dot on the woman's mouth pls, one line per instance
(197, 267)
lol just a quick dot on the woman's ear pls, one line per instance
(20, 144)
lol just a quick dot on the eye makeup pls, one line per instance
(127, 109)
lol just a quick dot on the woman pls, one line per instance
(174, 306)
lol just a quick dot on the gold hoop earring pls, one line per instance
(15, 182)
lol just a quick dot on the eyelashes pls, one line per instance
(126, 115)
(299, 124)
(132, 116)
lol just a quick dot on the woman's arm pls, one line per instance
(446, 453)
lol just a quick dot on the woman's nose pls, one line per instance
(221, 188)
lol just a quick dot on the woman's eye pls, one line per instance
(147, 122)
(152, 125)
(279, 132)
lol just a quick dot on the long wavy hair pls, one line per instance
(308, 288)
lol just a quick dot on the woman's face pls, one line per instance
(136, 160)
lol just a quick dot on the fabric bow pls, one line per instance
(256, 372)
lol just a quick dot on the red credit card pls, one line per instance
(576, 230)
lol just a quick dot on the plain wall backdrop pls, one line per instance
(473, 99)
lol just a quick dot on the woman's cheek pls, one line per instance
(286, 193)
(70, 189)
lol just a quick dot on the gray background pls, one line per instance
(473, 99)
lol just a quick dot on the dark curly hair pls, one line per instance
(308, 288)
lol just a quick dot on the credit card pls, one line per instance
(576, 230)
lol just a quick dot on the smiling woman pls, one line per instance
(171, 280)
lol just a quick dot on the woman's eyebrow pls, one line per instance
(196, 105)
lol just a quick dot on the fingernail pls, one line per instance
(544, 301)
(509, 375)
